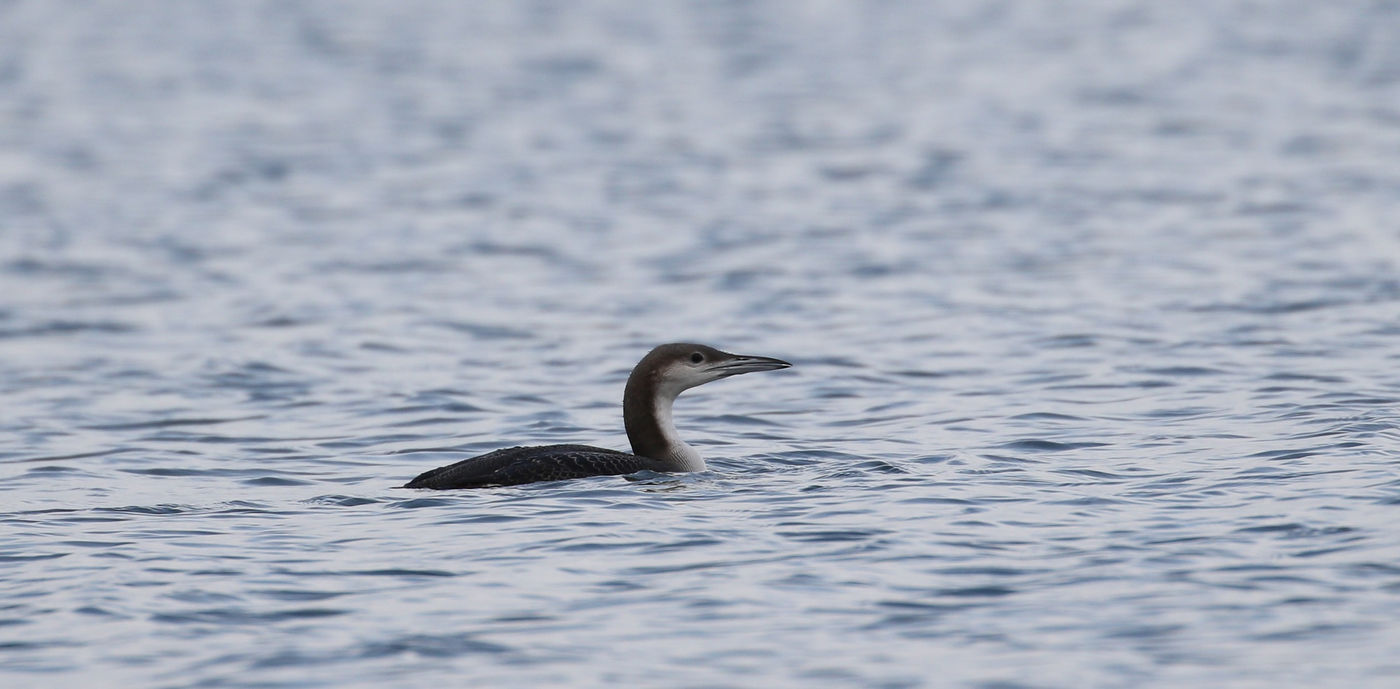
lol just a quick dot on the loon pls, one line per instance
(661, 375)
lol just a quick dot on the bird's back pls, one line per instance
(516, 465)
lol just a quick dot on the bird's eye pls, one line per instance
(697, 358)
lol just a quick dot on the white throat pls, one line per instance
(679, 455)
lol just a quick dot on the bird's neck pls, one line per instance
(646, 412)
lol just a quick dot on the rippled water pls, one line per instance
(1095, 310)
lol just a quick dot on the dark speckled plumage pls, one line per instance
(658, 378)
(515, 465)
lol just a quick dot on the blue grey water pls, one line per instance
(1094, 306)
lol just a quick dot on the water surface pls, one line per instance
(1095, 313)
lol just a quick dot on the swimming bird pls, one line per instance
(663, 374)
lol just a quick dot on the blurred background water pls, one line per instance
(1094, 305)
